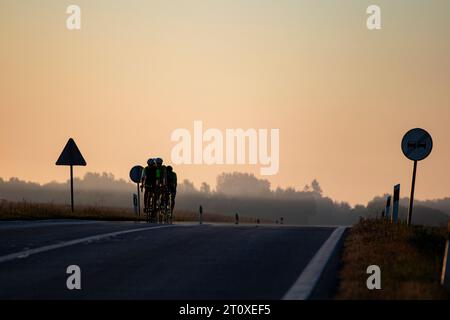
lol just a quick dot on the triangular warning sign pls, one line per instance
(71, 155)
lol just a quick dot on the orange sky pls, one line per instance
(341, 95)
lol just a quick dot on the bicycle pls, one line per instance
(158, 206)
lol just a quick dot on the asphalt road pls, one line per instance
(161, 262)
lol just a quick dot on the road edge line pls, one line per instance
(308, 279)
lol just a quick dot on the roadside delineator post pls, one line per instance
(445, 276)
(200, 215)
(395, 204)
(388, 207)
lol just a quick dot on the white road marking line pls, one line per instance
(303, 287)
(27, 253)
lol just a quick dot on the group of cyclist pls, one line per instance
(160, 183)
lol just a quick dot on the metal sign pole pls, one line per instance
(71, 186)
(411, 198)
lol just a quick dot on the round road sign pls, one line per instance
(417, 144)
(136, 173)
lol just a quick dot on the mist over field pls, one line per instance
(234, 193)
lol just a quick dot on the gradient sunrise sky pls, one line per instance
(341, 95)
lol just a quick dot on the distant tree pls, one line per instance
(101, 181)
(205, 188)
(238, 184)
(316, 187)
(360, 210)
(279, 191)
(187, 187)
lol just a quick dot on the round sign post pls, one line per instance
(416, 146)
(135, 176)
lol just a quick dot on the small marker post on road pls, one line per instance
(416, 146)
(135, 176)
(71, 156)
(200, 215)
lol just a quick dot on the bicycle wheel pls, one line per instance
(169, 208)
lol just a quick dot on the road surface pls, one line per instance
(128, 260)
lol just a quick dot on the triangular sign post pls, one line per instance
(71, 156)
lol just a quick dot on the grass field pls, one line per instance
(34, 211)
(410, 259)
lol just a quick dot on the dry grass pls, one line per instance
(35, 211)
(410, 260)
(32, 211)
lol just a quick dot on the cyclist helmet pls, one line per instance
(159, 161)
(151, 162)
